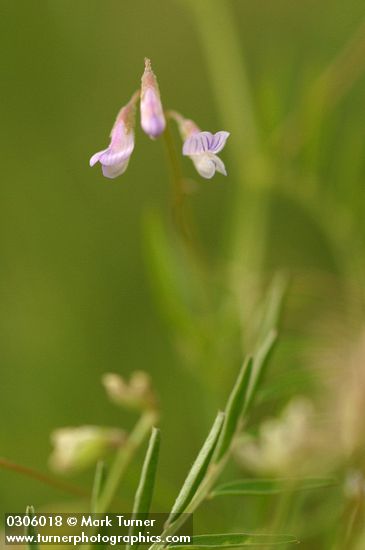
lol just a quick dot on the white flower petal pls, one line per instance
(208, 164)
(219, 165)
(115, 170)
(204, 165)
(95, 158)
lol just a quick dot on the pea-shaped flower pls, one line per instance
(201, 147)
(114, 160)
(153, 119)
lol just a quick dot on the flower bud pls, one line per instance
(78, 448)
(152, 116)
(137, 394)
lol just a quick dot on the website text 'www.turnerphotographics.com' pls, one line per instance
(96, 529)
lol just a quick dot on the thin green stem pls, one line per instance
(180, 211)
(140, 432)
(178, 185)
(202, 493)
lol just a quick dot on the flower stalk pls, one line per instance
(123, 458)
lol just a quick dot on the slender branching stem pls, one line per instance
(177, 178)
(31, 473)
(200, 496)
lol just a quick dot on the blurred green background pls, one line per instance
(76, 294)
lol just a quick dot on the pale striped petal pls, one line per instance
(218, 141)
(110, 157)
(197, 143)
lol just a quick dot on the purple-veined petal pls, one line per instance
(120, 149)
(218, 141)
(204, 142)
(115, 158)
(197, 144)
(110, 157)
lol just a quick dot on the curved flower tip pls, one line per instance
(202, 148)
(153, 120)
(114, 160)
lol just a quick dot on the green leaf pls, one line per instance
(270, 486)
(30, 531)
(235, 406)
(260, 362)
(272, 306)
(99, 479)
(235, 540)
(198, 469)
(143, 497)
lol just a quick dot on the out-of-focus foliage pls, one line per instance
(95, 278)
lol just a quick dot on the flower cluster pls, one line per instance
(201, 147)
(76, 448)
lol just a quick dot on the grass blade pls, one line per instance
(270, 486)
(99, 479)
(30, 531)
(235, 406)
(198, 469)
(259, 365)
(272, 307)
(143, 497)
(236, 540)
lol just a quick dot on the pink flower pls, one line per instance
(201, 147)
(114, 160)
(152, 116)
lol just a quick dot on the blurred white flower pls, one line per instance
(77, 448)
(354, 486)
(282, 443)
(136, 394)
(341, 362)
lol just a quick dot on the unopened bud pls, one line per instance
(152, 116)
